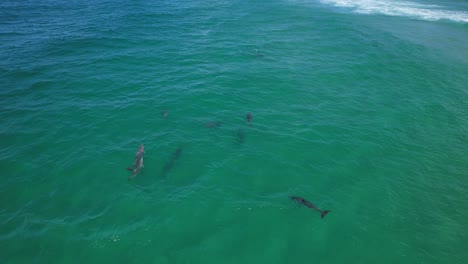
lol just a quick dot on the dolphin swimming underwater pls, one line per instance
(138, 156)
(249, 117)
(137, 169)
(240, 135)
(138, 163)
(213, 124)
(171, 162)
(309, 204)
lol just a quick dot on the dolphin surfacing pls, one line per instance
(310, 205)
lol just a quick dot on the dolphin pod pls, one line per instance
(138, 162)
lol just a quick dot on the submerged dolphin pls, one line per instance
(213, 124)
(309, 204)
(137, 169)
(240, 136)
(164, 113)
(249, 117)
(258, 55)
(138, 156)
(171, 162)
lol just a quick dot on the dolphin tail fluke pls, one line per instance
(324, 213)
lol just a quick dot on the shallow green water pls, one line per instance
(362, 113)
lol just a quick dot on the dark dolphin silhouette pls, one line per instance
(138, 163)
(138, 156)
(309, 204)
(249, 117)
(258, 55)
(175, 156)
(137, 169)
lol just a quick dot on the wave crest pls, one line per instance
(400, 8)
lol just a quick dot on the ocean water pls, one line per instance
(358, 106)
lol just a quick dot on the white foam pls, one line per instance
(400, 8)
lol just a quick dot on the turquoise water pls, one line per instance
(358, 106)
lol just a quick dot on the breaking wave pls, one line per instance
(401, 8)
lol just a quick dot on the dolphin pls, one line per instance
(138, 156)
(137, 169)
(309, 204)
(213, 124)
(171, 162)
(258, 55)
(164, 113)
(249, 117)
(240, 135)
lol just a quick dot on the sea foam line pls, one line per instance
(400, 8)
